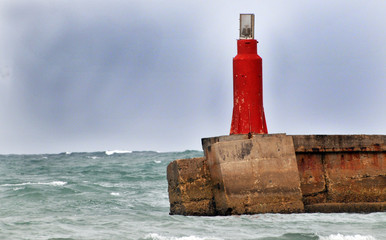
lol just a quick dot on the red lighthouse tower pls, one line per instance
(248, 112)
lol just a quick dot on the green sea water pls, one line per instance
(123, 195)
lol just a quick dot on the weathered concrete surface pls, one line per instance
(255, 175)
(356, 207)
(335, 143)
(207, 142)
(342, 169)
(190, 188)
(338, 173)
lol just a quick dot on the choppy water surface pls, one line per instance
(123, 195)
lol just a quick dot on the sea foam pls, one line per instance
(111, 152)
(155, 236)
(54, 183)
(347, 237)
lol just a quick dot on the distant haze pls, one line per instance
(157, 75)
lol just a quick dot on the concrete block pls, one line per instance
(255, 175)
(203, 207)
(189, 187)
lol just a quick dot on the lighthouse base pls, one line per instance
(278, 173)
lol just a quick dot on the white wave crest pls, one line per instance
(54, 183)
(155, 236)
(346, 237)
(111, 152)
(115, 194)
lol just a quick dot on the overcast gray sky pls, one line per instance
(79, 75)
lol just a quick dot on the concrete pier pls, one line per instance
(278, 173)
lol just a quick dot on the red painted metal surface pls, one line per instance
(248, 112)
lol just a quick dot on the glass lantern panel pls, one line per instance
(246, 26)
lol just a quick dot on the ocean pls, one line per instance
(123, 195)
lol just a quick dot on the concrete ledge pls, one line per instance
(339, 143)
(360, 207)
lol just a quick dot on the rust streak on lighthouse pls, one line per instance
(248, 112)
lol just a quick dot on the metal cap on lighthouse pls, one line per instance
(248, 112)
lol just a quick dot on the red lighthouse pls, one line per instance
(248, 112)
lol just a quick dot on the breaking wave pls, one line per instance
(111, 152)
(54, 183)
(155, 236)
(347, 237)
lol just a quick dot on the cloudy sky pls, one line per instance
(79, 75)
